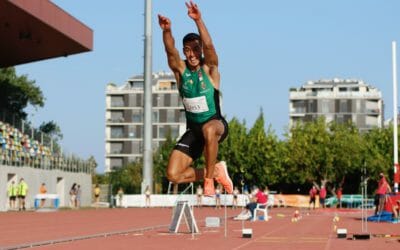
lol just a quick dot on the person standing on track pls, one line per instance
(12, 192)
(22, 193)
(380, 194)
(312, 193)
(198, 82)
(42, 190)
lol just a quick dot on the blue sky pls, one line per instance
(265, 47)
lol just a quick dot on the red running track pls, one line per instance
(147, 228)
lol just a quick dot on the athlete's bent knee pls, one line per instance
(210, 133)
(172, 176)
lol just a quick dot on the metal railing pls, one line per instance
(17, 158)
(22, 145)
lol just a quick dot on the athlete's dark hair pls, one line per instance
(191, 37)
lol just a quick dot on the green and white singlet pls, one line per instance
(200, 98)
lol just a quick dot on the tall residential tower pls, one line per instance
(338, 100)
(124, 117)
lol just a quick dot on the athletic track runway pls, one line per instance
(147, 228)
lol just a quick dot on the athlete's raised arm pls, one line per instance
(210, 55)
(174, 60)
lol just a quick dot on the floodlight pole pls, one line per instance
(148, 136)
(395, 115)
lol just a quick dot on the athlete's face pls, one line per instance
(193, 52)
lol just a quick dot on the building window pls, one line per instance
(116, 147)
(339, 119)
(158, 100)
(162, 115)
(137, 115)
(116, 163)
(171, 115)
(343, 106)
(117, 132)
(117, 101)
(299, 106)
(155, 116)
(182, 116)
(174, 100)
(311, 107)
(139, 100)
(358, 106)
(161, 132)
(136, 147)
(155, 131)
(164, 85)
(173, 86)
(137, 85)
(117, 116)
(135, 131)
(174, 131)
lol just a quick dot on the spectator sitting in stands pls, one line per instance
(18, 149)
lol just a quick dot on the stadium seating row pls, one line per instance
(18, 149)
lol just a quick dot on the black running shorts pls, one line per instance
(192, 141)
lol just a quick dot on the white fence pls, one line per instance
(165, 200)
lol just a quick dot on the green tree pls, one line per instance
(274, 170)
(100, 178)
(378, 153)
(52, 134)
(160, 159)
(346, 149)
(257, 152)
(129, 177)
(17, 92)
(310, 156)
(92, 164)
(52, 129)
(233, 151)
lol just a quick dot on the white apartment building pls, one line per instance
(338, 100)
(125, 117)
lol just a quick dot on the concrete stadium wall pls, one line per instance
(57, 182)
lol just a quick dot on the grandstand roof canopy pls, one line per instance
(38, 29)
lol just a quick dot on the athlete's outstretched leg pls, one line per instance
(213, 131)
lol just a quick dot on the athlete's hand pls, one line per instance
(164, 22)
(193, 10)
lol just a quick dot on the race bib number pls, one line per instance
(196, 104)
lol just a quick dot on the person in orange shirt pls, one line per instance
(42, 190)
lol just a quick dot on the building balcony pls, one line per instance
(373, 112)
(334, 95)
(110, 155)
(116, 120)
(297, 114)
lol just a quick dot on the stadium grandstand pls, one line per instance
(26, 153)
(19, 149)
